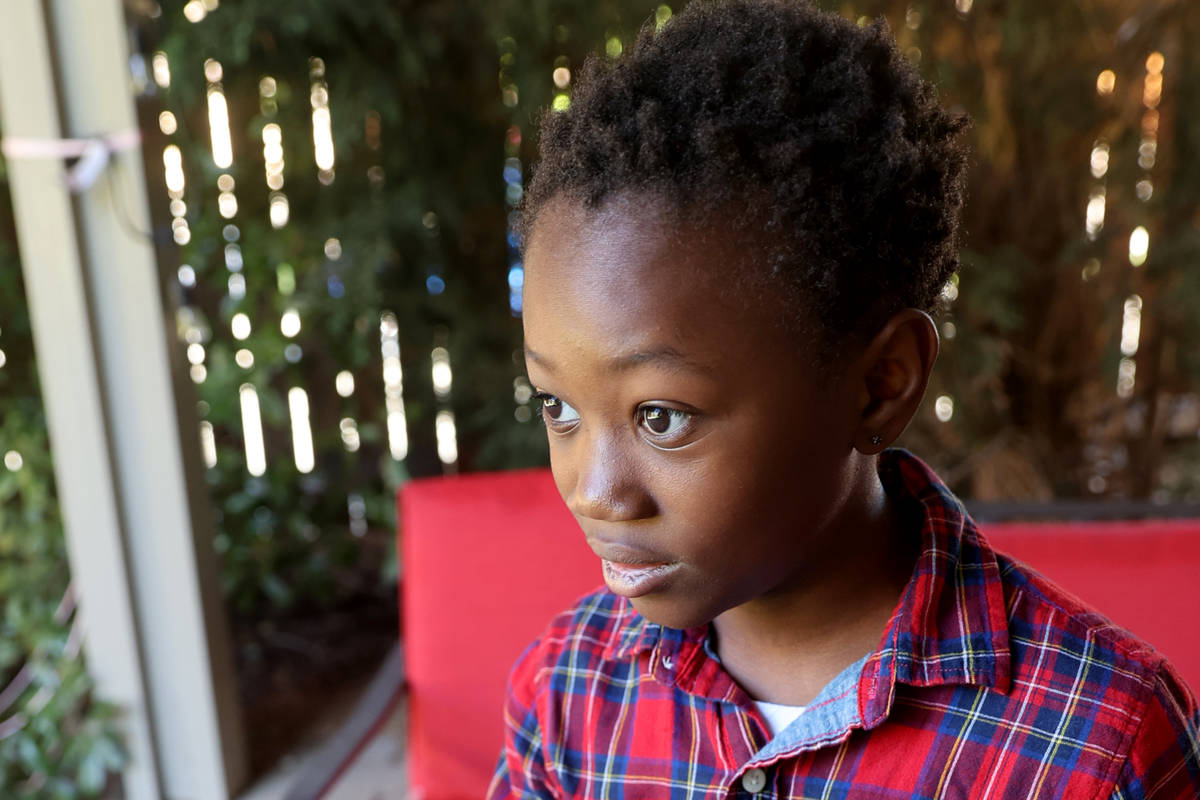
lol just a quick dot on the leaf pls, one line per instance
(92, 774)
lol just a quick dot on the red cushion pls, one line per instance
(1143, 575)
(488, 559)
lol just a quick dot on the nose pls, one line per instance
(600, 480)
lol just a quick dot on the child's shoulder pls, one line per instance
(1038, 605)
(1058, 639)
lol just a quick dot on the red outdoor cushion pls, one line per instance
(488, 559)
(1144, 575)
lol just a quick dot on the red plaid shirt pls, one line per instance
(989, 682)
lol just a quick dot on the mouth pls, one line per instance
(636, 580)
(633, 572)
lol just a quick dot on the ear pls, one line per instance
(891, 375)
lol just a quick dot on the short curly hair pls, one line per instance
(810, 135)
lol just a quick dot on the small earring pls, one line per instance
(876, 439)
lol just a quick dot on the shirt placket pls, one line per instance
(682, 662)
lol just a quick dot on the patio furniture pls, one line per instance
(488, 559)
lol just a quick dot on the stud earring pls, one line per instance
(876, 439)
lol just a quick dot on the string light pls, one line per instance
(239, 325)
(950, 289)
(195, 353)
(393, 385)
(447, 437)
(289, 323)
(1139, 246)
(1126, 374)
(1094, 218)
(1148, 147)
(1099, 159)
(943, 407)
(233, 258)
(252, 431)
(442, 375)
(194, 11)
(227, 205)
(513, 179)
(1131, 325)
(350, 439)
(322, 121)
(522, 394)
(344, 383)
(174, 178)
(208, 444)
(173, 165)
(272, 136)
(302, 442)
(279, 210)
(161, 68)
(218, 126)
(237, 287)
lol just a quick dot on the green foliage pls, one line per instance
(422, 131)
(1032, 354)
(56, 740)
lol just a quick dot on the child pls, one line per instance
(733, 244)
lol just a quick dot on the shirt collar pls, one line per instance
(950, 626)
(636, 634)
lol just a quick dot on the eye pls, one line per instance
(555, 410)
(664, 423)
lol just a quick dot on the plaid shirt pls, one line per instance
(989, 682)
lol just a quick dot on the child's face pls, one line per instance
(702, 457)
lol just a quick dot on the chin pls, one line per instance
(672, 612)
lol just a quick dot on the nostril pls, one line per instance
(611, 501)
(593, 499)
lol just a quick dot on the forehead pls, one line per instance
(630, 270)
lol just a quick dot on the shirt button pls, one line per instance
(754, 780)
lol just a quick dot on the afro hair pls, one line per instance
(809, 135)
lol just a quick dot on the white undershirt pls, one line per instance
(778, 716)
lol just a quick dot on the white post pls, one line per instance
(139, 545)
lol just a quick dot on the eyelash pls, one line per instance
(539, 404)
(539, 398)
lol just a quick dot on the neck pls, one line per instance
(786, 645)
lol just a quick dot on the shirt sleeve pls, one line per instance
(521, 769)
(1164, 760)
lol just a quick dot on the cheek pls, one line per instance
(754, 486)
(706, 503)
(562, 467)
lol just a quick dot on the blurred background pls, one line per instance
(330, 198)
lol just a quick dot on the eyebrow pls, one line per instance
(668, 357)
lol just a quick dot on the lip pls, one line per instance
(632, 571)
(636, 580)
